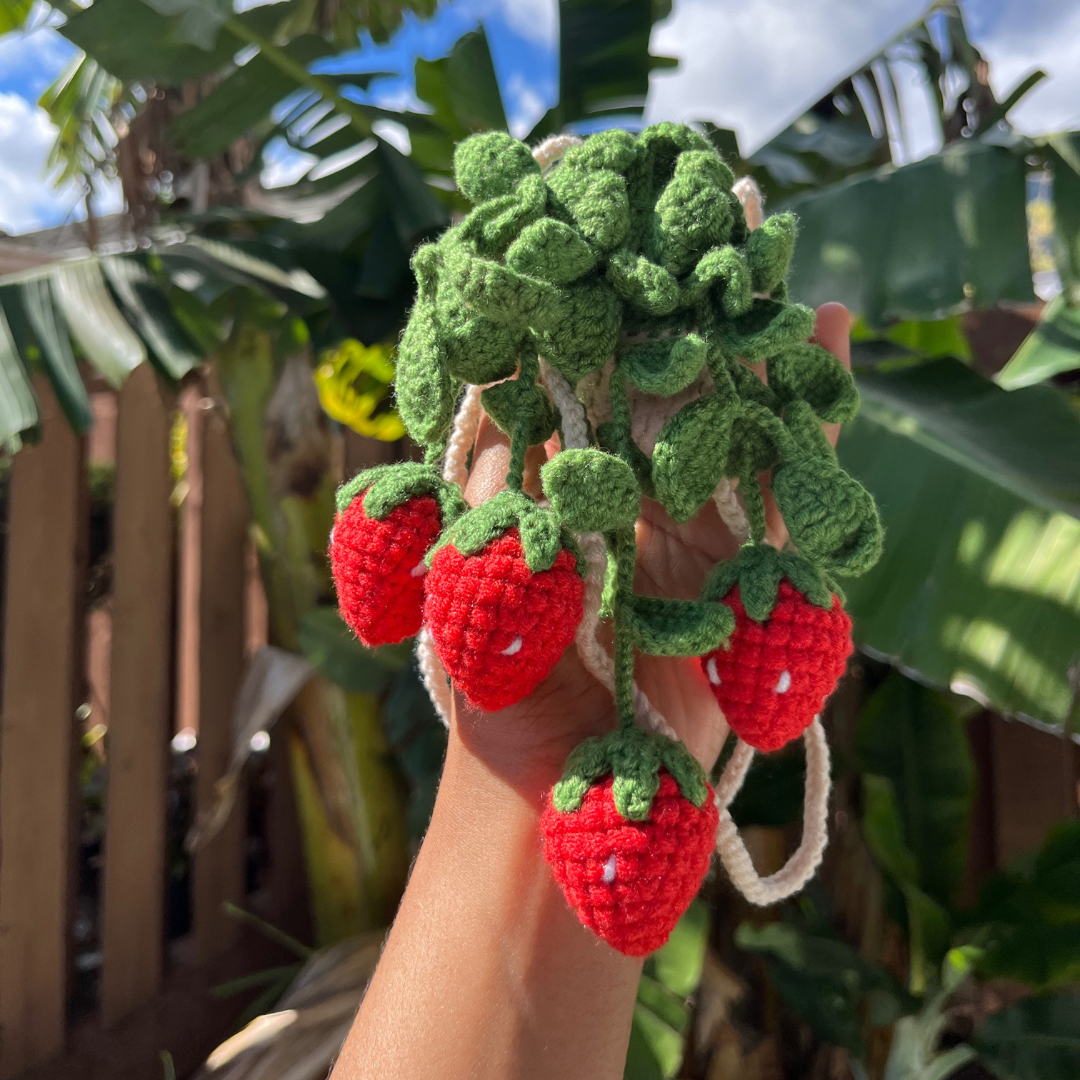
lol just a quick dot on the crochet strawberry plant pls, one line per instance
(596, 282)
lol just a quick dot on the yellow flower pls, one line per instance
(353, 380)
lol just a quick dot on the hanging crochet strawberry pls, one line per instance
(790, 646)
(502, 600)
(388, 518)
(629, 832)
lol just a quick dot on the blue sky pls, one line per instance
(753, 65)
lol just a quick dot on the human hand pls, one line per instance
(527, 743)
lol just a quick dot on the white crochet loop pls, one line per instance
(551, 150)
(731, 510)
(802, 866)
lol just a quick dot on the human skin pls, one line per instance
(487, 973)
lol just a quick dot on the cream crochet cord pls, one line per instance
(733, 853)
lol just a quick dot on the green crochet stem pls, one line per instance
(624, 552)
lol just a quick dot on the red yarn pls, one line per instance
(773, 678)
(659, 864)
(498, 628)
(374, 561)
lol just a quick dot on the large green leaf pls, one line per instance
(43, 337)
(671, 975)
(979, 491)
(133, 42)
(1053, 346)
(921, 241)
(1036, 1039)
(18, 405)
(825, 982)
(913, 736)
(241, 101)
(80, 292)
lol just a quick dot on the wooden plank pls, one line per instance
(42, 679)
(139, 724)
(223, 531)
(1034, 785)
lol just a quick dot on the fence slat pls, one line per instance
(133, 920)
(42, 678)
(223, 520)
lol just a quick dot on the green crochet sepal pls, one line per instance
(758, 571)
(388, 486)
(634, 758)
(542, 536)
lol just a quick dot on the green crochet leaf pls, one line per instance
(489, 165)
(831, 517)
(591, 491)
(388, 486)
(584, 328)
(769, 249)
(758, 571)
(667, 626)
(724, 266)
(613, 149)
(425, 396)
(542, 537)
(690, 454)
(595, 201)
(641, 282)
(492, 226)
(694, 211)
(552, 251)
(765, 329)
(664, 367)
(513, 403)
(812, 374)
(500, 293)
(478, 349)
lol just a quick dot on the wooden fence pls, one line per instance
(99, 987)
(182, 614)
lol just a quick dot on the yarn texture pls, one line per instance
(607, 272)
(498, 627)
(630, 881)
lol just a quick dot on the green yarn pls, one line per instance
(631, 258)
(634, 758)
(668, 626)
(591, 491)
(552, 251)
(769, 249)
(690, 455)
(388, 486)
(758, 571)
(542, 534)
(666, 366)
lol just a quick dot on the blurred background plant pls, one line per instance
(911, 958)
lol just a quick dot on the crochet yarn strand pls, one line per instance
(802, 866)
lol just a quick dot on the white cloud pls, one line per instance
(755, 67)
(1030, 34)
(534, 20)
(27, 199)
(524, 105)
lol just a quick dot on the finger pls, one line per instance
(491, 462)
(832, 331)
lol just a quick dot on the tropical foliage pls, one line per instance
(298, 292)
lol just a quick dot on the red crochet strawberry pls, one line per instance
(629, 881)
(790, 646)
(388, 520)
(498, 626)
